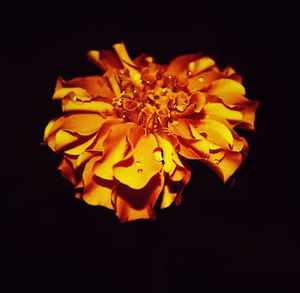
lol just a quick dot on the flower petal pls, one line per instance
(96, 105)
(203, 80)
(111, 75)
(82, 124)
(67, 170)
(248, 116)
(172, 190)
(126, 61)
(97, 191)
(196, 103)
(219, 109)
(181, 128)
(95, 85)
(137, 170)
(84, 88)
(48, 131)
(65, 140)
(133, 204)
(72, 130)
(180, 64)
(86, 156)
(200, 65)
(239, 143)
(178, 174)
(97, 146)
(194, 149)
(230, 91)
(226, 166)
(168, 153)
(104, 59)
(216, 132)
(77, 149)
(115, 148)
(232, 74)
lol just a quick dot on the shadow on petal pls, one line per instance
(132, 204)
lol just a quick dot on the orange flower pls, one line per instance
(126, 135)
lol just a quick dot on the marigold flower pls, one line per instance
(126, 135)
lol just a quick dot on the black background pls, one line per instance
(244, 237)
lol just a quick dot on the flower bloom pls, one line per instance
(126, 135)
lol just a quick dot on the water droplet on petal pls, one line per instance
(216, 161)
(158, 155)
(138, 164)
(74, 98)
(200, 79)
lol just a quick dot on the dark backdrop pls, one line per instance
(243, 236)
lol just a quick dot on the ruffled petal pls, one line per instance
(137, 170)
(102, 133)
(133, 204)
(216, 132)
(227, 164)
(181, 128)
(200, 65)
(196, 103)
(96, 105)
(172, 190)
(121, 51)
(111, 76)
(203, 80)
(67, 169)
(65, 140)
(219, 109)
(232, 74)
(48, 131)
(95, 85)
(78, 148)
(239, 143)
(180, 65)
(84, 88)
(169, 153)
(115, 149)
(72, 132)
(97, 191)
(230, 91)
(104, 59)
(82, 124)
(178, 174)
(194, 149)
(248, 116)
(86, 156)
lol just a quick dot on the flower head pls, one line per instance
(126, 135)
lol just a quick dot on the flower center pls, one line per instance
(154, 101)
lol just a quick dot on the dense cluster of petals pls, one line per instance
(126, 135)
